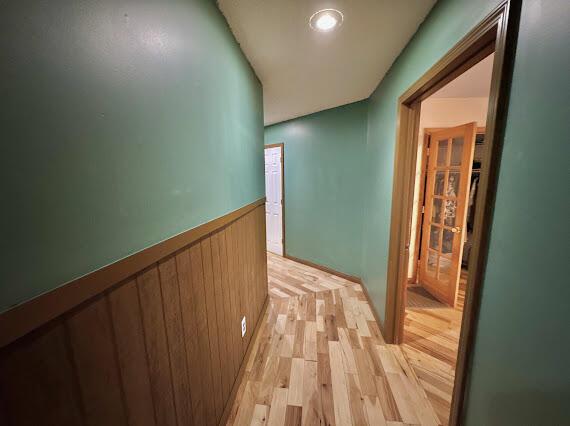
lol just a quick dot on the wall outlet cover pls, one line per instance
(243, 327)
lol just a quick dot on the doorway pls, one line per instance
(451, 147)
(274, 199)
(422, 244)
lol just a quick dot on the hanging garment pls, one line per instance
(450, 205)
(473, 190)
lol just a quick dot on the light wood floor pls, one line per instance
(431, 340)
(319, 359)
(287, 278)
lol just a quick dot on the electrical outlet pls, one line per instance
(243, 327)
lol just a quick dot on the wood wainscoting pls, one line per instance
(163, 347)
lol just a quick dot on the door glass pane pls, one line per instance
(444, 269)
(450, 212)
(442, 153)
(453, 184)
(436, 210)
(439, 181)
(431, 263)
(447, 241)
(434, 237)
(456, 151)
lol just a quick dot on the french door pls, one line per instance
(448, 179)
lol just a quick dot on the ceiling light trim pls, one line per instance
(333, 14)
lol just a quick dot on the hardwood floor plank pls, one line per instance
(260, 414)
(387, 401)
(295, 396)
(278, 407)
(322, 360)
(310, 340)
(374, 413)
(339, 386)
(312, 408)
(365, 373)
(247, 406)
(356, 400)
(324, 382)
(293, 415)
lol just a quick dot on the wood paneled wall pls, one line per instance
(162, 348)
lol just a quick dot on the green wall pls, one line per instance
(520, 373)
(123, 123)
(324, 187)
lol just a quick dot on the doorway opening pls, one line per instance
(451, 148)
(275, 199)
(438, 245)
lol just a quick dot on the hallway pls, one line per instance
(156, 151)
(319, 358)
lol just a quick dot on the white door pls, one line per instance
(274, 199)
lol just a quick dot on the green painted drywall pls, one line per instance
(324, 159)
(520, 373)
(122, 123)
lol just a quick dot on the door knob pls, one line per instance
(456, 229)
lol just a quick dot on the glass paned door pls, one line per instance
(449, 168)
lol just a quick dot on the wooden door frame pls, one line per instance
(495, 33)
(282, 146)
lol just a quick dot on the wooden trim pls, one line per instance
(326, 269)
(401, 216)
(430, 130)
(498, 33)
(231, 400)
(26, 317)
(420, 214)
(282, 146)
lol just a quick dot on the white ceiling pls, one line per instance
(303, 71)
(473, 83)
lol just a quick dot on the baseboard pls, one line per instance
(326, 269)
(245, 362)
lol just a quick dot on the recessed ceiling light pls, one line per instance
(326, 20)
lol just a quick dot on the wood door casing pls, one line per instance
(443, 229)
